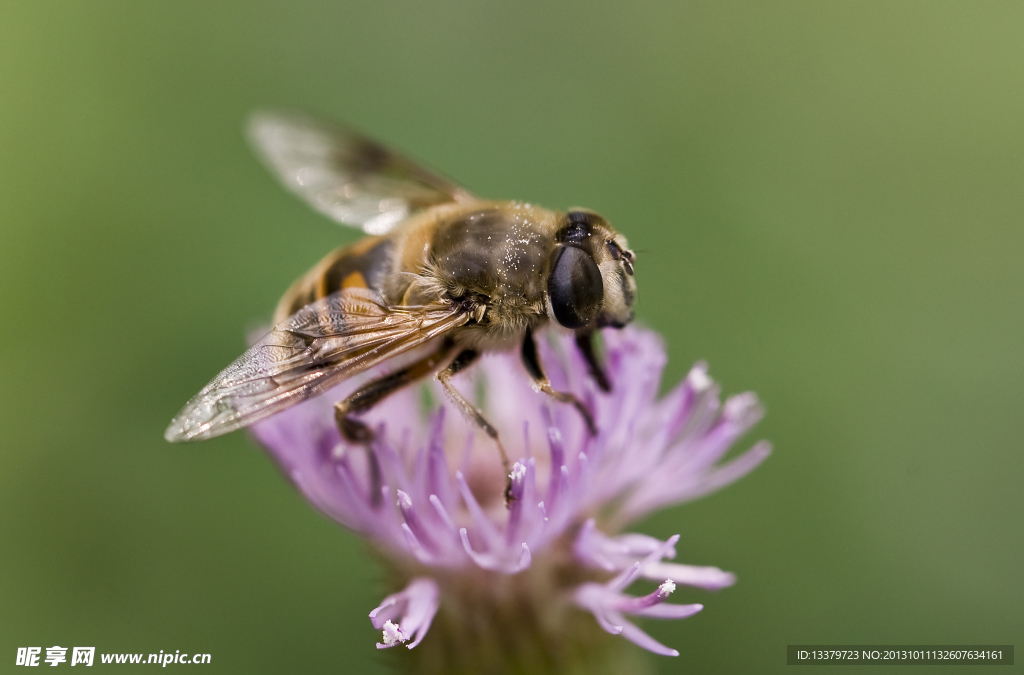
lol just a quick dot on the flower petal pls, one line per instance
(414, 608)
(631, 632)
(708, 578)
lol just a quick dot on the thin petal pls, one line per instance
(667, 610)
(709, 578)
(414, 608)
(631, 632)
(623, 580)
(483, 524)
(632, 605)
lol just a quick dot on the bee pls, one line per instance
(442, 274)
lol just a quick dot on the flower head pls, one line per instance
(429, 493)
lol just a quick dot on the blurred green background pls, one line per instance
(828, 200)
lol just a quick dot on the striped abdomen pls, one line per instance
(364, 264)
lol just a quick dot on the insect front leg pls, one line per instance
(585, 343)
(532, 362)
(465, 359)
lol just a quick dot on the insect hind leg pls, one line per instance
(369, 395)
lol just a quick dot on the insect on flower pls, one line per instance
(440, 270)
(540, 582)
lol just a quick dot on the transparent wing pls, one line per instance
(316, 348)
(352, 179)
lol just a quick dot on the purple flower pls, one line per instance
(429, 495)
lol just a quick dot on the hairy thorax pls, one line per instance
(492, 257)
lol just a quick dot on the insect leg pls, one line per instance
(532, 362)
(370, 395)
(374, 392)
(585, 343)
(461, 362)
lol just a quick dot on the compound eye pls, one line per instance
(577, 229)
(575, 287)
